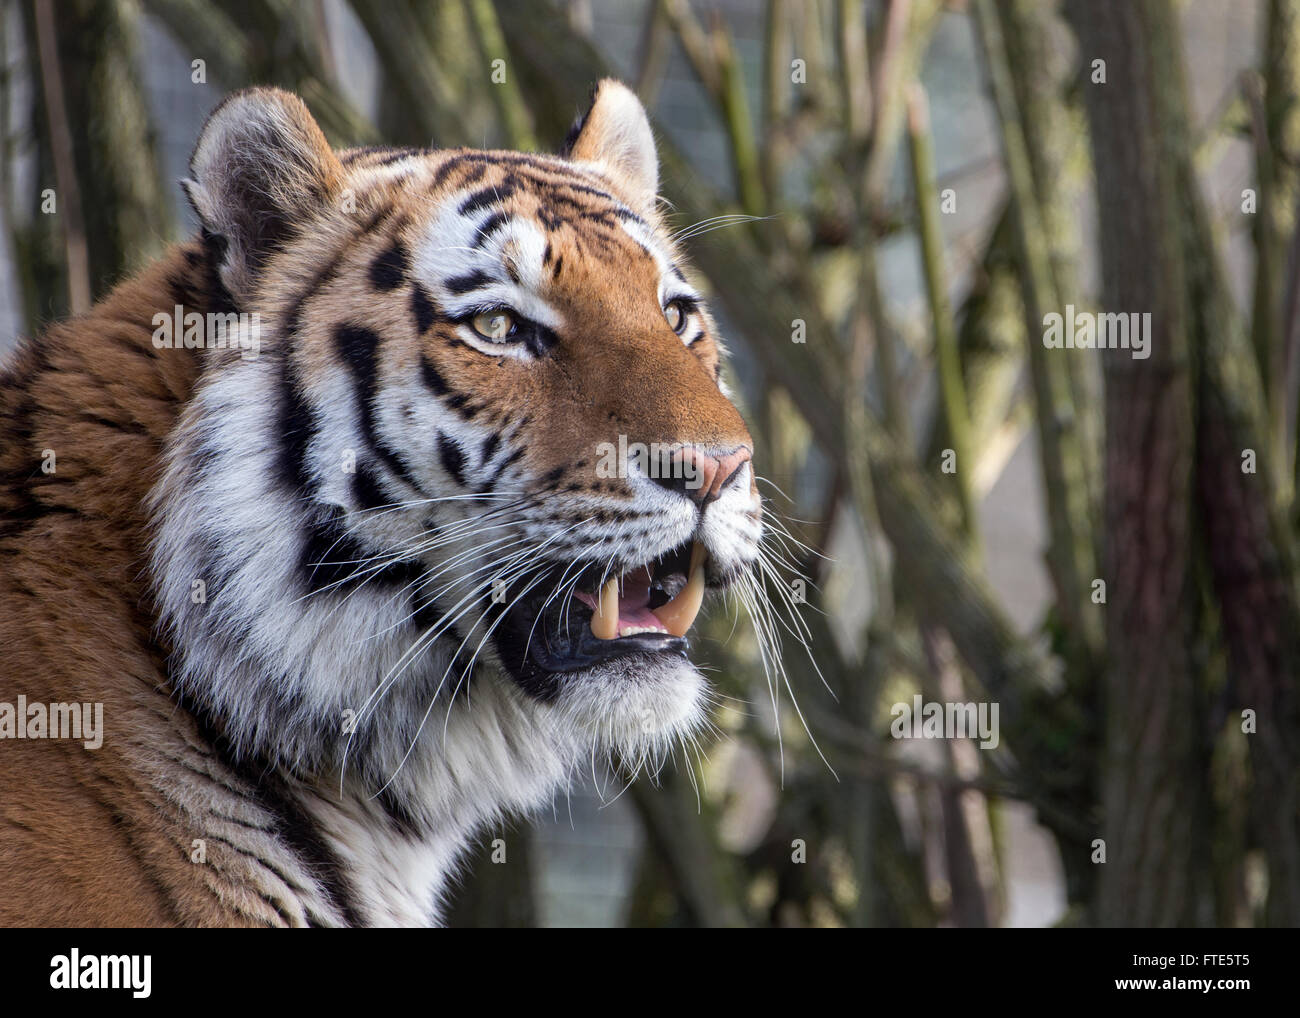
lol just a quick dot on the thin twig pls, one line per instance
(952, 388)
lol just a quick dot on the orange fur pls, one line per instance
(84, 839)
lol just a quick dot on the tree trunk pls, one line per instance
(1152, 781)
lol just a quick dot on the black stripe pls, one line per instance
(366, 489)
(450, 166)
(235, 820)
(524, 159)
(206, 775)
(330, 558)
(549, 219)
(490, 226)
(422, 307)
(490, 446)
(130, 427)
(489, 195)
(436, 383)
(595, 192)
(558, 182)
(457, 402)
(388, 270)
(463, 284)
(297, 428)
(476, 173)
(501, 469)
(452, 457)
(359, 348)
(398, 156)
(368, 150)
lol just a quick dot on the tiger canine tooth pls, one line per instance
(678, 615)
(604, 620)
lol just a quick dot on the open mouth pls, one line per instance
(645, 610)
(663, 596)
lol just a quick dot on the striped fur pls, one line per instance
(276, 572)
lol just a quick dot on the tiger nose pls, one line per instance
(701, 475)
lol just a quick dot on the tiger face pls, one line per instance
(503, 463)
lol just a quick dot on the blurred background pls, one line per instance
(885, 200)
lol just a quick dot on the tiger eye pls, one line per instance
(675, 315)
(495, 325)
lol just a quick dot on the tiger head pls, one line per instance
(500, 449)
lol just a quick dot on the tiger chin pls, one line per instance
(407, 522)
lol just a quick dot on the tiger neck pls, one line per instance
(395, 859)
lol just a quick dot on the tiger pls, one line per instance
(413, 540)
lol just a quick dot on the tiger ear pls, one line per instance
(615, 135)
(260, 167)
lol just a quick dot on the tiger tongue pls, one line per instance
(612, 613)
